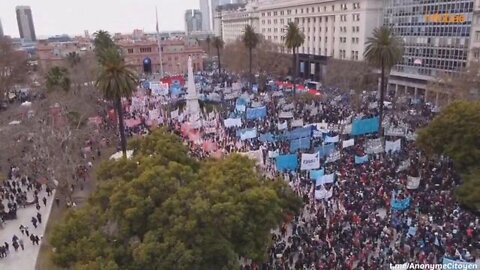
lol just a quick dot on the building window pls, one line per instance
(146, 50)
(356, 17)
(130, 50)
(356, 5)
(477, 35)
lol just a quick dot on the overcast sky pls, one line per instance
(73, 17)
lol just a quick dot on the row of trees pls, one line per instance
(164, 210)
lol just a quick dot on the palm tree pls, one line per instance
(250, 40)
(218, 43)
(208, 40)
(384, 50)
(116, 81)
(103, 40)
(73, 58)
(58, 77)
(294, 38)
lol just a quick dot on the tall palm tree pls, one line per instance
(250, 40)
(103, 41)
(384, 50)
(73, 58)
(116, 81)
(218, 44)
(208, 40)
(58, 78)
(294, 38)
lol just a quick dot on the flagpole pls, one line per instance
(159, 47)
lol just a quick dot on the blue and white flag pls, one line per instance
(246, 134)
(361, 160)
(329, 139)
(315, 175)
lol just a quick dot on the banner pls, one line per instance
(298, 133)
(325, 150)
(286, 162)
(256, 104)
(348, 143)
(413, 182)
(365, 126)
(398, 132)
(209, 123)
(232, 122)
(297, 144)
(322, 193)
(374, 146)
(325, 179)
(394, 146)
(404, 165)
(246, 134)
(400, 205)
(361, 160)
(174, 114)
(411, 136)
(210, 130)
(240, 107)
(317, 134)
(288, 107)
(256, 113)
(256, 155)
(316, 174)
(273, 154)
(310, 161)
(158, 88)
(333, 157)
(267, 137)
(285, 115)
(297, 123)
(329, 139)
(282, 126)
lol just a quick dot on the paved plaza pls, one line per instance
(25, 259)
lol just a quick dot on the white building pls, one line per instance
(235, 21)
(205, 10)
(334, 28)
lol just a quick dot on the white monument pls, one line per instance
(193, 107)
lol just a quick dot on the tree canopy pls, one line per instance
(163, 210)
(455, 133)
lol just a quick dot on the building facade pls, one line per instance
(26, 27)
(193, 20)
(235, 21)
(1, 29)
(205, 10)
(51, 53)
(175, 54)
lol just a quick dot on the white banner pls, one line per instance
(329, 139)
(285, 115)
(210, 130)
(393, 146)
(398, 132)
(297, 123)
(288, 107)
(348, 143)
(273, 154)
(232, 122)
(374, 146)
(310, 161)
(347, 129)
(413, 182)
(322, 193)
(333, 157)
(282, 126)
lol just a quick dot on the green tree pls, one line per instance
(163, 210)
(58, 78)
(384, 50)
(250, 40)
(116, 81)
(294, 38)
(73, 59)
(103, 41)
(455, 132)
(218, 44)
(469, 192)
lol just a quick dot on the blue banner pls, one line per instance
(268, 137)
(246, 134)
(240, 108)
(316, 174)
(400, 205)
(176, 89)
(298, 133)
(325, 150)
(287, 162)
(302, 143)
(256, 113)
(365, 126)
(361, 160)
(242, 101)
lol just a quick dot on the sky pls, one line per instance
(73, 17)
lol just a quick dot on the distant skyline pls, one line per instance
(73, 17)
